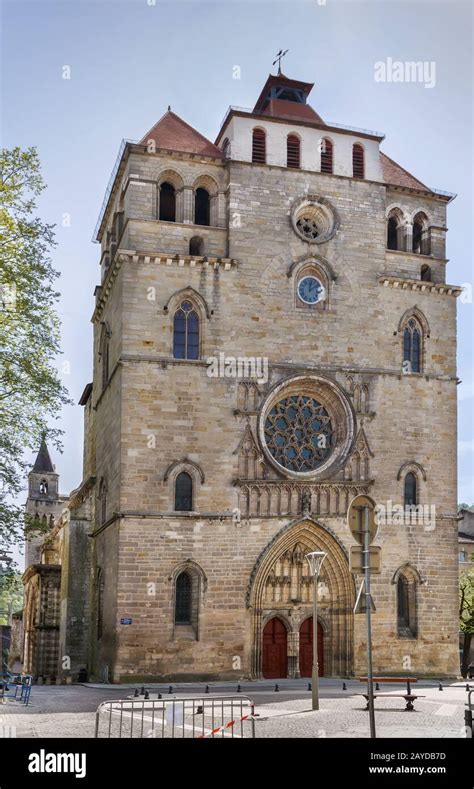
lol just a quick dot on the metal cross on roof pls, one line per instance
(278, 58)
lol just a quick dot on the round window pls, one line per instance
(306, 427)
(298, 433)
(314, 219)
(311, 290)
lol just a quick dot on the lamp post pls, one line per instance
(315, 560)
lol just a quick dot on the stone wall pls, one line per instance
(157, 412)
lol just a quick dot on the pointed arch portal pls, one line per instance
(281, 590)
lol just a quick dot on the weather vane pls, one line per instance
(278, 58)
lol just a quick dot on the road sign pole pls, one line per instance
(368, 614)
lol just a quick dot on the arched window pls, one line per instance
(396, 230)
(406, 607)
(202, 207)
(409, 491)
(326, 156)
(183, 493)
(167, 202)
(259, 154)
(358, 167)
(183, 600)
(186, 332)
(226, 148)
(196, 246)
(426, 273)
(421, 234)
(43, 487)
(293, 158)
(412, 347)
(392, 233)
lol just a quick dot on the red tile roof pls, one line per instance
(174, 134)
(280, 80)
(396, 175)
(280, 108)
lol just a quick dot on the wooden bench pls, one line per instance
(408, 696)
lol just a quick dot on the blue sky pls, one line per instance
(129, 60)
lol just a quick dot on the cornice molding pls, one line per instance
(122, 256)
(402, 283)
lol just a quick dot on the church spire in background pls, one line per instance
(43, 460)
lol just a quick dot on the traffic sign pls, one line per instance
(362, 599)
(355, 518)
(356, 559)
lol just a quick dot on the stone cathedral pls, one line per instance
(273, 335)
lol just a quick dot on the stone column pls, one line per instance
(407, 244)
(179, 196)
(188, 205)
(221, 217)
(294, 655)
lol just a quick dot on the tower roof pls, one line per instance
(43, 461)
(174, 134)
(282, 97)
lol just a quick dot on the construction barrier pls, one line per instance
(195, 717)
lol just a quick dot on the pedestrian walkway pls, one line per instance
(69, 711)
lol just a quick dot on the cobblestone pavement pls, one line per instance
(69, 711)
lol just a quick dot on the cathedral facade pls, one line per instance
(273, 335)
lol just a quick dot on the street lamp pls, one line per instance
(315, 560)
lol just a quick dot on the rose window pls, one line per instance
(299, 433)
(314, 219)
(308, 227)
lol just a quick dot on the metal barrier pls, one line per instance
(468, 713)
(195, 717)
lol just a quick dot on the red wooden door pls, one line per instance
(275, 651)
(306, 648)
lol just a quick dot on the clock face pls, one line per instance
(310, 290)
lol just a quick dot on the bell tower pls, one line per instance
(43, 503)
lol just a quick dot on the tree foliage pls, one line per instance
(31, 392)
(11, 595)
(466, 602)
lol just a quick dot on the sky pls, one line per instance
(127, 61)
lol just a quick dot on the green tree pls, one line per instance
(11, 596)
(466, 615)
(31, 393)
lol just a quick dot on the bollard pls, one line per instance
(170, 690)
(147, 695)
(344, 686)
(277, 689)
(309, 686)
(136, 694)
(440, 687)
